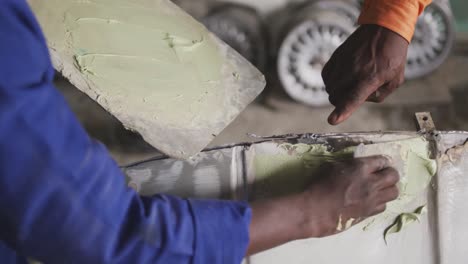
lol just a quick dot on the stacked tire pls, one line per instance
(240, 27)
(303, 35)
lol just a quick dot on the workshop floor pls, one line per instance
(444, 93)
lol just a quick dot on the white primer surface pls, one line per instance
(364, 243)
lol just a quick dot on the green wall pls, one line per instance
(460, 10)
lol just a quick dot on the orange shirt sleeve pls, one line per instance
(399, 16)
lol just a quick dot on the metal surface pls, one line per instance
(311, 38)
(459, 8)
(224, 170)
(452, 197)
(210, 174)
(432, 41)
(424, 122)
(440, 236)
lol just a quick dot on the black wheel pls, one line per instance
(241, 28)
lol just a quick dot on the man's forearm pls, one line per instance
(62, 197)
(275, 222)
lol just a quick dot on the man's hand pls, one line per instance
(348, 192)
(342, 194)
(369, 65)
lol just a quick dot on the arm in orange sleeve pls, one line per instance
(399, 16)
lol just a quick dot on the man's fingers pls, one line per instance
(351, 101)
(375, 164)
(335, 117)
(388, 195)
(327, 72)
(378, 209)
(336, 89)
(386, 178)
(383, 92)
(331, 69)
(336, 84)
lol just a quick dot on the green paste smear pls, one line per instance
(404, 220)
(290, 168)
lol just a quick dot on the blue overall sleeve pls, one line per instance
(64, 200)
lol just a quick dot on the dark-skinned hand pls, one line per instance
(341, 191)
(350, 190)
(368, 66)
